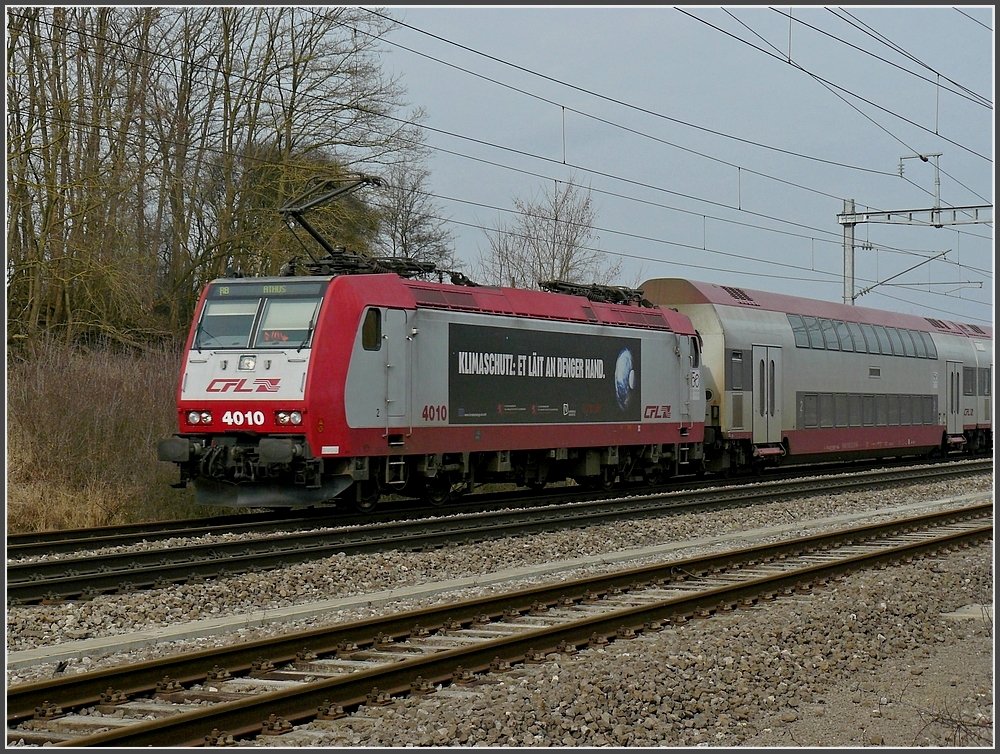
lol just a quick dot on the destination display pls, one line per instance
(514, 376)
(259, 290)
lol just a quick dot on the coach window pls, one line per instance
(929, 403)
(929, 343)
(736, 371)
(870, 340)
(883, 339)
(846, 341)
(907, 339)
(815, 335)
(893, 410)
(859, 339)
(854, 408)
(918, 345)
(882, 410)
(984, 380)
(829, 335)
(826, 409)
(968, 380)
(840, 414)
(799, 330)
(868, 410)
(371, 330)
(896, 340)
(810, 410)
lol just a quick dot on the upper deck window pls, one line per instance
(859, 338)
(897, 341)
(883, 339)
(846, 341)
(799, 330)
(830, 335)
(815, 334)
(928, 343)
(907, 338)
(870, 340)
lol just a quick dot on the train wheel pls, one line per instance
(607, 478)
(367, 495)
(437, 490)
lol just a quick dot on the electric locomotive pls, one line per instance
(305, 390)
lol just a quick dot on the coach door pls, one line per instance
(766, 394)
(395, 335)
(954, 398)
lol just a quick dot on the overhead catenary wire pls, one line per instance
(861, 113)
(903, 118)
(425, 127)
(701, 154)
(964, 93)
(617, 178)
(988, 28)
(857, 23)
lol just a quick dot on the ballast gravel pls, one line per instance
(870, 660)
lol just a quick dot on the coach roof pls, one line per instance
(678, 292)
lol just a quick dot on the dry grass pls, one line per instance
(82, 428)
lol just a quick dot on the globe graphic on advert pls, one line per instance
(624, 378)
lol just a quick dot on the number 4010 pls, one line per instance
(434, 414)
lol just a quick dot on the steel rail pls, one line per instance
(63, 541)
(88, 576)
(194, 667)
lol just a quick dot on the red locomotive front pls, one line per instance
(242, 400)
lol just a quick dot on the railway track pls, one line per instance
(266, 687)
(61, 542)
(90, 575)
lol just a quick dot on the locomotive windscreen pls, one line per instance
(259, 315)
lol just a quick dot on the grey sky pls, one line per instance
(673, 212)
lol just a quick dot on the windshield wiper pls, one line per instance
(309, 333)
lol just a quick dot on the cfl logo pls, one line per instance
(260, 385)
(656, 412)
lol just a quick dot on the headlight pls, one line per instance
(282, 417)
(289, 417)
(247, 363)
(194, 417)
(206, 417)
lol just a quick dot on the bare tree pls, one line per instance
(550, 239)
(75, 128)
(411, 225)
(150, 148)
